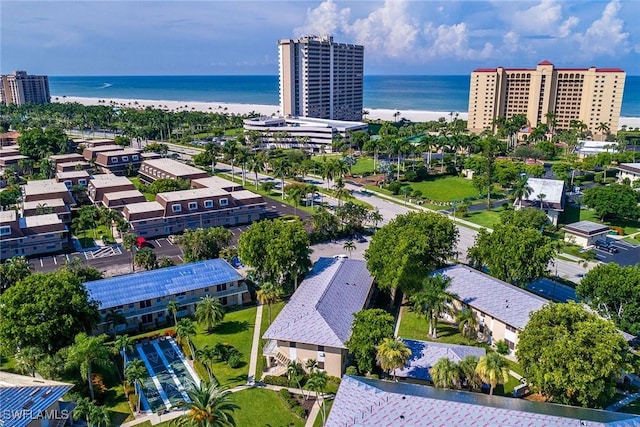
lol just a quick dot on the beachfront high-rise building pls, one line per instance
(21, 88)
(590, 95)
(321, 79)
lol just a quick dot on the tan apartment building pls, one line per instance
(142, 298)
(107, 183)
(71, 178)
(118, 199)
(321, 78)
(590, 95)
(118, 162)
(91, 153)
(176, 211)
(153, 169)
(316, 322)
(41, 207)
(501, 310)
(21, 88)
(31, 235)
(47, 189)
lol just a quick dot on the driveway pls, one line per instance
(628, 253)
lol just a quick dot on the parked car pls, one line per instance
(605, 245)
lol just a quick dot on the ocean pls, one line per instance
(429, 93)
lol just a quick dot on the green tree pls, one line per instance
(99, 416)
(369, 328)
(130, 243)
(83, 272)
(146, 258)
(173, 307)
(493, 369)
(204, 243)
(614, 292)
(375, 217)
(445, 373)
(164, 185)
(87, 352)
(46, 311)
(185, 329)
(392, 354)
(83, 408)
(525, 218)
(121, 344)
(135, 373)
(12, 271)
(433, 300)
(210, 312)
(571, 355)
(467, 322)
(27, 359)
(318, 383)
(468, 372)
(207, 356)
(39, 144)
(407, 249)
(615, 200)
(268, 294)
(276, 250)
(326, 226)
(515, 255)
(349, 246)
(210, 406)
(294, 374)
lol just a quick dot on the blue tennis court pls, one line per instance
(170, 376)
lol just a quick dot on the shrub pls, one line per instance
(335, 380)
(234, 360)
(273, 380)
(300, 411)
(502, 347)
(170, 333)
(395, 187)
(351, 370)
(618, 230)
(285, 394)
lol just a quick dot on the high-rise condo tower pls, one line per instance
(21, 88)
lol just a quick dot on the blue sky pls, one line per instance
(240, 37)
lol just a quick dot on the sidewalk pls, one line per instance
(255, 347)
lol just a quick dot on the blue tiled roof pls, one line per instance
(132, 288)
(425, 354)
(321, 311)
(368, 402)
(23, 399)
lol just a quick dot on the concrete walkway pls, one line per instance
(313, 414)
(255, 347)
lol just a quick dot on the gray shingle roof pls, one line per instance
(586, 227)
(321, 311)
(368, 402)
(425, 354)
(500, 300)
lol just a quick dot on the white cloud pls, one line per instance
(453, 40)
(511, 41)
(605, 35)
(545, 18)
(326, 19)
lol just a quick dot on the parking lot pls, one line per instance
(628, 254)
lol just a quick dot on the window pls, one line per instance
(220, 288)
(193, 206)
(5, 230)
(145, 304)
(224, 202)
(147, 318)
(125, 159)
(208, 204)
(114, 160)
(176, 208)
(135, 158)
(82, 181)
(68, 184)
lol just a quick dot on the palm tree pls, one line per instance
(445, 373)
(173, 307)
(392, 354)
(282, 168)
(207, 357)
(375, 217)
(98, 416)
(130, 242)
(604, 130)
(522, 190)
(294, 192)
(493, 369)
(466, 322)
(210, 311)
(210, 406)
(113, 319)
(311, 365)
(256, 165)
(121, 344)
(135, 373)
(83, 408)
(186, 329)
(294, 372)
(318, 383)
(468, 372)
(434, 300)
(340, 190)
(349, 246)
(268, 294)
(541, 197)
(27, 359)
(87, 352)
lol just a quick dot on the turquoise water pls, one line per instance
(433, 93)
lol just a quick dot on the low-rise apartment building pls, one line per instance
(31, 235)
(216, 182)
(118, 162)
(102, 184)
(89, 143)
(65, 158)
(47, 189)
(73, 166)
(41, 207)
(9, 151)
(142, 298)
(502, 310)
(91, 153)
(118, 199)
(71, 178)
(12, 160)
(9, 138)
(151, 170)
(316, 322)
(545, 194)
(176, 211)
(629, 171)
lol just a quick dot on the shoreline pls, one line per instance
(271, 110)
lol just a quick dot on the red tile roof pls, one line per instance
(609, 70)
(484, 70)
(545, 63)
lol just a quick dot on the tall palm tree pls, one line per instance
(231, 150)
(493, 369)
(466, 322)
(294, 373)
(311, 365)
(468, 372)
(349, 246)
(113, 319)
(294, 192)
(392, 354)
(318, 383)
(603, 128)
(522, 190)
(87, 352)
(186, 329)
(27, 359)
(541, 198)
(121, 344)
(210, 406)
(135, 373)
(375, 217)
(173, 307)
(99, 416)
(210, 312)
(445, 373)
(398, 146)
(207, 357)
(130, 242)
(83, 408)
(281, 169)
(434, 300)
(256, 165)
(269, 294)
(341, 192)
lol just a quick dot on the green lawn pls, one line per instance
(328, 404)
(446, 189)
(7, 364)
(236, 330)
(136, 182)
(363, 165)
(275, 310)
(88, 235)
(574, 214)
(633, 408)
(262, 407)
(484, 217)
(416, 327)
(118, 407)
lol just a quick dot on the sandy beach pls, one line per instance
(271, 110)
